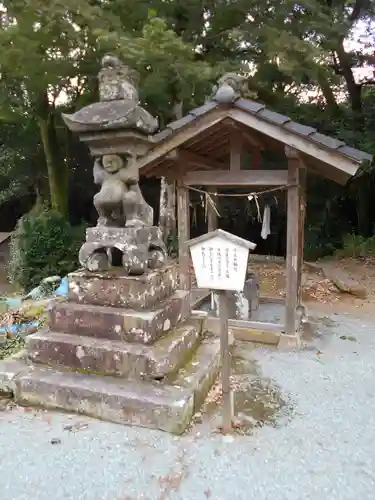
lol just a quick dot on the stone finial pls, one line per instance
(117, 81)
(119, 108)
(229, 88)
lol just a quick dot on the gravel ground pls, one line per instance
(325, 451)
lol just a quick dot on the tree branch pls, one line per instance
(357, 9)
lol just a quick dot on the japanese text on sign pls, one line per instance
(215, 261)
(219, 262)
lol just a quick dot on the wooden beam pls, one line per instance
(214, 147)
(250, 331)
(212, 218)
(235, 151)
(183, 220)
(292, 245)
(255, 143)
(196, 128)
(302, 144)
(181, 158)
(241, 323)
(200, 160)
(209, 135)
(250, 139)
(247, 136)
(237, 178)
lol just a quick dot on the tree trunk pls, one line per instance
(328, 95)
(56, 167)
(354, 89)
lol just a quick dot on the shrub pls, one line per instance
(43, 244)
(355, 246)
(317, 243)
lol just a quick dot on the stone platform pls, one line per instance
(118, 290)
(108, 355)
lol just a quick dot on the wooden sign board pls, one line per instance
(220, 260)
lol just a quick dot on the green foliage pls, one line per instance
(317, 243)
(168, 66)
(354, 245)
(43, 244)
(48, 51)
(21, 160)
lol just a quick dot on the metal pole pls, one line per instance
(225, 363)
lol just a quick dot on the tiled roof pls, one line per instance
(259, 110)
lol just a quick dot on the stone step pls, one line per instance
(111, 357)
(201, 371)
(115, 289)
(141, 403)
(115, 323)
(122, 401)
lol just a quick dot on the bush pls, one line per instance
(43, 244)
(356, 246)
(317, 243)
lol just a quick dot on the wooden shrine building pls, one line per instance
(205, 147)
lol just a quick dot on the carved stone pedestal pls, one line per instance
(122, 348)
(134, 249)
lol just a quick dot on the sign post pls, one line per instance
(220, 264)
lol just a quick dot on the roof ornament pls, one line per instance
(229, 88)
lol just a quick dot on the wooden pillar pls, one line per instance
(256, 157)
(225, 356)
(235, 151)
(292, 244)
(212, 222)
(183, 217)
(301, 234)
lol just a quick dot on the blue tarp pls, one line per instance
(16, 329)
(36, 294)
(63, 288)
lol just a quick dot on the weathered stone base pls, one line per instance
(120, 324)
(118, 234)
(109, 357)
(116, 289)
(135, 403)
(168, 407)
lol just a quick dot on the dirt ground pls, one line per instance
(318, 291)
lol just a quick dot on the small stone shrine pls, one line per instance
(124, 346)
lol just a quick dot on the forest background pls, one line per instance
(313, 61)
